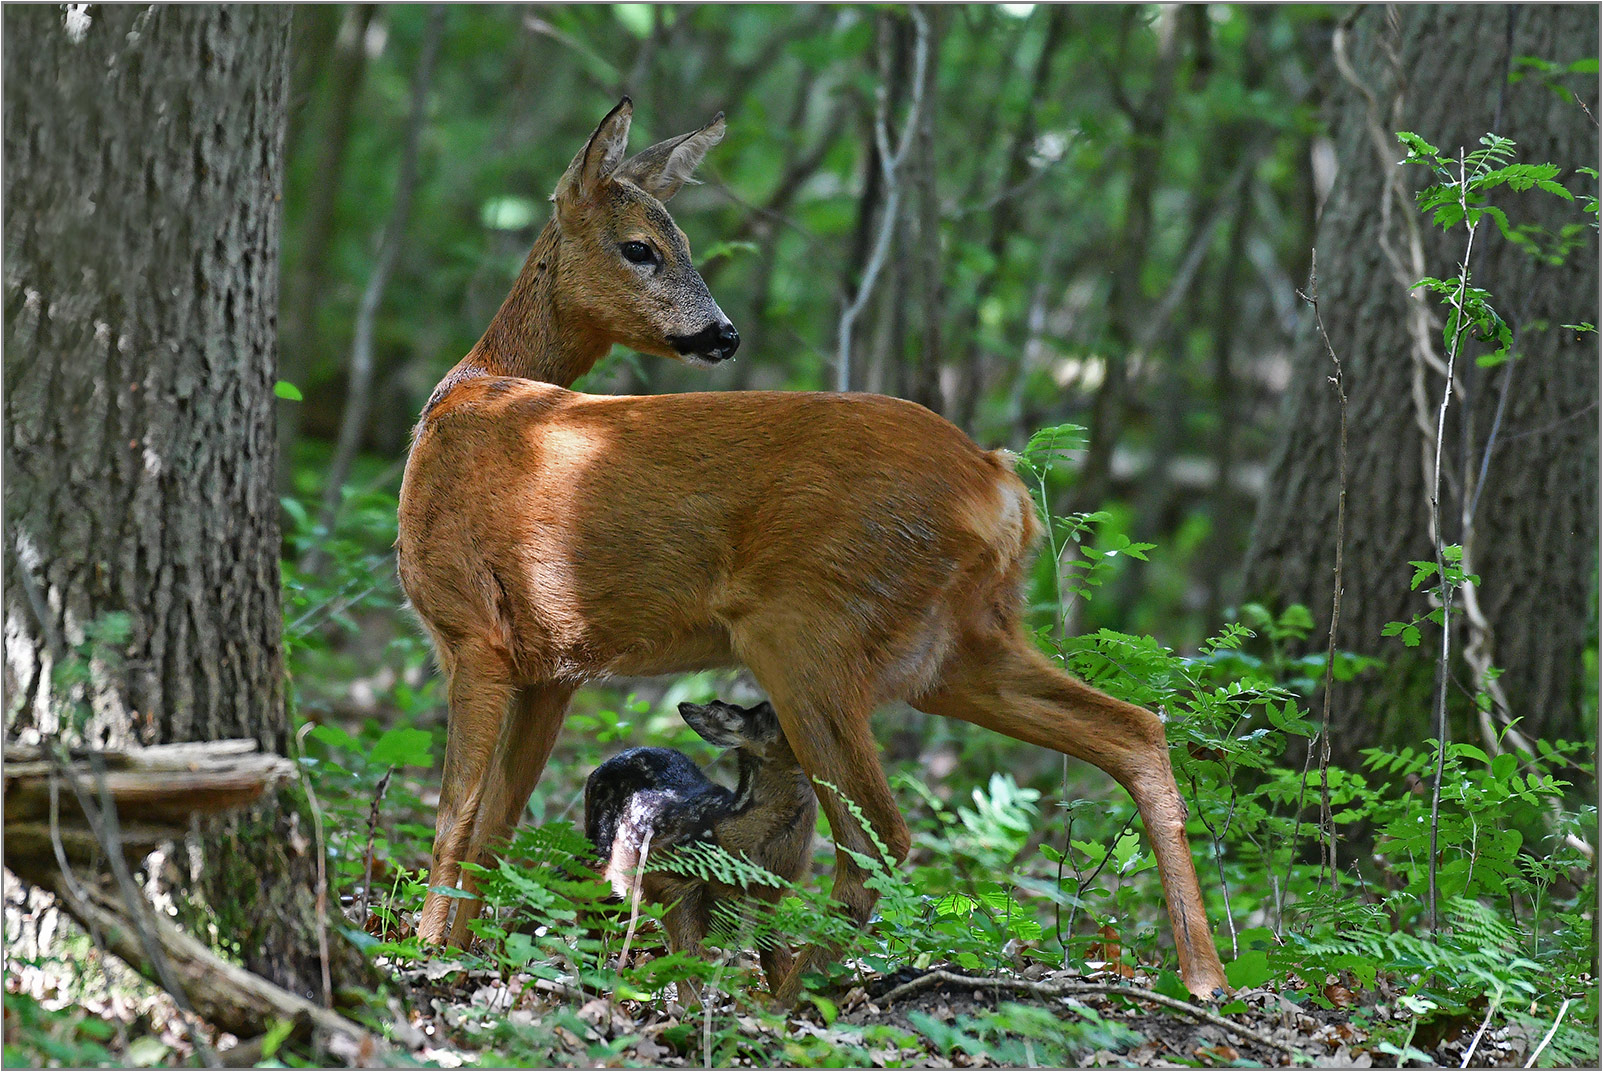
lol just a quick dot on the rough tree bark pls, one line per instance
(144, 162)
(1442, 72)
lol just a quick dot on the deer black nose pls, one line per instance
(715, 342)
(728, 341)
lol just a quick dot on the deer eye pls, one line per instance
(637, 253)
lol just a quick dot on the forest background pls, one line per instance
(1100, 217)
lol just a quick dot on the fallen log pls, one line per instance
(55, 815)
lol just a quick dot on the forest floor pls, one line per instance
(887, 1023)
(455, 1013)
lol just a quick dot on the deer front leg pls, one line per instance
(520, 757)
(479, 692)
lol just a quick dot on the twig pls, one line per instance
(94, 931)
(102, 821)
(1562, 1009)
(372, 831)
(890, 165)
(1058, 990)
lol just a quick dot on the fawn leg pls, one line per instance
(686, 924)
(479, 692)
(1000, 681)
(778, 964)
(520, 756)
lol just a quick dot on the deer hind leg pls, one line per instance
(525, 744)
(832, 742)
(479, 693)
(1000, 681)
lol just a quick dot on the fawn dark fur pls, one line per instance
(647, 801)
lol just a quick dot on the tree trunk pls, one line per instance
(144, 153)
(1443, 72)
(306, 282)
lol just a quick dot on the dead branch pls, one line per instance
(1061, 990)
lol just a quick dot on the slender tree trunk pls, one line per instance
(924, 376)
(1149, 122)
(144, 164)
(306, 280)
(359, 384)
(1443, 72)
(1004, 223)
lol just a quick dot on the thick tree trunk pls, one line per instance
(144, 163)
(1442, 72)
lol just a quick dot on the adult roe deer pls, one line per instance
(646, 802)
(848, 549)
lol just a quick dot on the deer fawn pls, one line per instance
(648, 801)
(849, 549)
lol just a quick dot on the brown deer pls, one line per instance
(646, 802)
(849, 549)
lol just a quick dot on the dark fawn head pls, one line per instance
(624, 267)
(753, 729)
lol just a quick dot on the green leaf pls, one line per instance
(1417, 144)
(1248, 970)
(403, 746)
(333, 736)
(1170, 986)
(275, 1036)
(728, 249)
(826, 1008)
(287, 391)
(518, 949)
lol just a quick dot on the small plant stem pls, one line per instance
(1068, 847)
(1562, 1009)
(1491, 1010)
(634, 900)
(364, 904)
(1327, 825)
(322, 868)
(1052, 545)
(1446, 589)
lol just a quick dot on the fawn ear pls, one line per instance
(762, 723)
(599, 158)
(662, 169)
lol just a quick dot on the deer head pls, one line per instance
(625, 266)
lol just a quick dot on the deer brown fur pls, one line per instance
(849, 549)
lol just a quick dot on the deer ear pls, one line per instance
(667, 165)
(599, 158)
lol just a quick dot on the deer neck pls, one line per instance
(538, 334)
